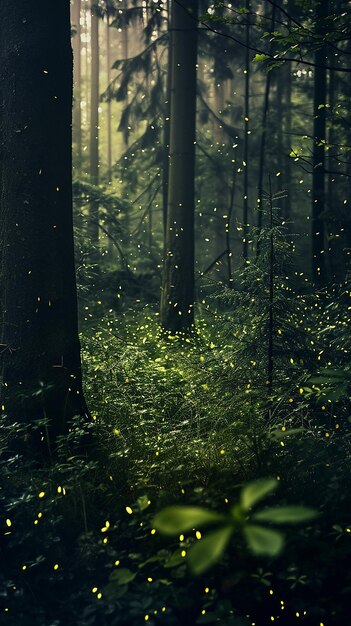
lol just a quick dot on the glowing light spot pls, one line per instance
(8, 523)
(183, 553)
(198, 534)
(56, 567)
(41, 494)
(129, 510)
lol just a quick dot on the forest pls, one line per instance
(175, 284)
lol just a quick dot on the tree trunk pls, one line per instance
(94, 129)
(332, 156)
(261, 169)
(287, 141)
(40, 354)
(221, 187)
(177, 300)
(166, 125)
(319, 137)
(109, 104)
(246, 135)
(77, 114)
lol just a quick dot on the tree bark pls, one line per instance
(94, 129)
(77, 74)
(319, 137)
(221, 187)
(246, 136)
(166, 125)
(39, 354)
(109, 104)
(177, 299)
(262, 161)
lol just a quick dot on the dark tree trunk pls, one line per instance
(77, 114)
(246, 135)
(319, 137)
(287, 141)
(332, 157)
(109, 104)
(94, 129)
(40, 354)
(262, 161)
(221, 186)
(177, 301)
(287, 78)
(166, 125)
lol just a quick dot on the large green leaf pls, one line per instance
(263, 541)
(207, 551)
(257, 490)
(178, 519)
(286, 514)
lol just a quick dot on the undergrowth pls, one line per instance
(189, 420)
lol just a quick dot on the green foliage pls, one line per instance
(177, 519)
(256, 491)
(210, 549)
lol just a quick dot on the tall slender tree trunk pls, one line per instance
(166, 125)
(246, 134)
(221, 186)
(94, 128)
(109, 104)
(177, 299)
(331, 160)
(287, 141)
(39, 355)
(288, 127)
(319, 137)
(77, 74)
(125, 55)
(262, 157)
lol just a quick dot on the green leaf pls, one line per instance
(122, 576)
(207, 551)
(258, 58)
(286, 515)
(263, 541)
(178, 519)
(257, 490)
